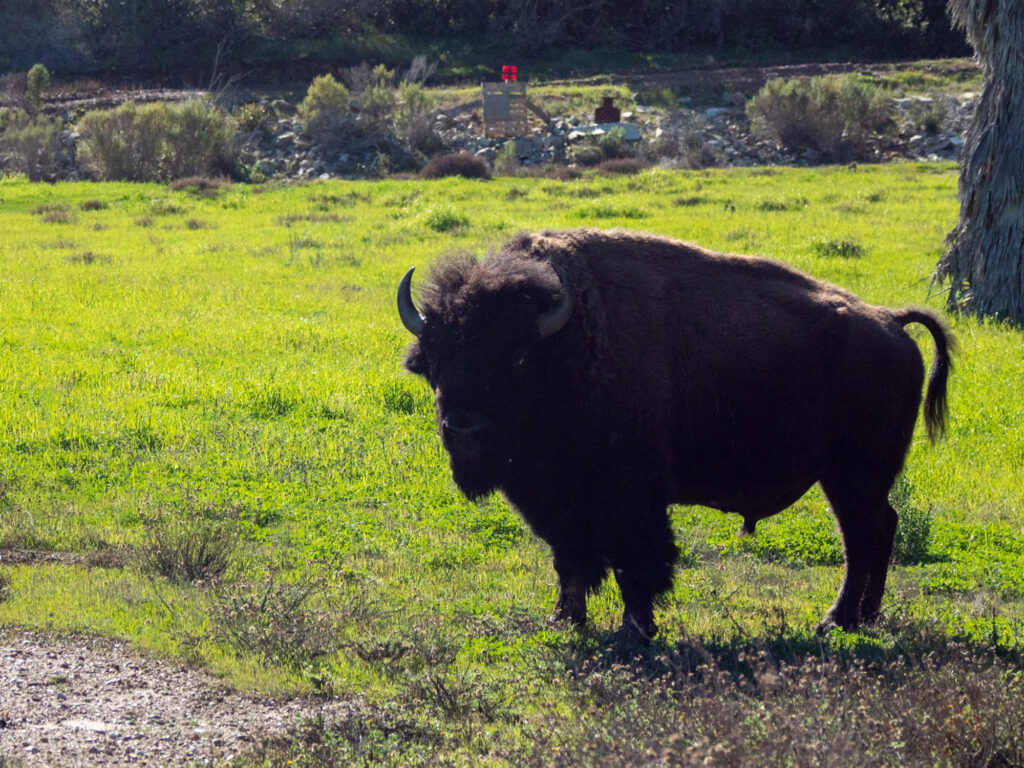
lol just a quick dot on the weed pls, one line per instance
(772, 205)
(445, 218)
(689, 202)
(838, 249)
(5, 585)
(87, 257)
(93, 205)
(198, 224)
(914, 530)
(281, 621)
(189, 544)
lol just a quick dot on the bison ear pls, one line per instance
(416, 361)
(556, 318)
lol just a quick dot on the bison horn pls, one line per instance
(554, 319)
(411, 317)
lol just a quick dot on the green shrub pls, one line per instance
(839, 249)
(325, 109)
(32, 147)
(445, 218)
(190, 544)
(37, 83)
(157, 141)
(914, 530)
(283, 622)
(379, 100)
(585, 154)
(834, 114)
(254, 116)
(458, 164)
(613, 144)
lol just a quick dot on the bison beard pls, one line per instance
(597, 377)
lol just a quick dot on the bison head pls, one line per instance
(483, 344)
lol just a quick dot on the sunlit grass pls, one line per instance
(251, 368)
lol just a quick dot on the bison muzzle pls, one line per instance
(597, 377)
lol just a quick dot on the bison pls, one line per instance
(595, 377)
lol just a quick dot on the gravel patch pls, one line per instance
(87, 701)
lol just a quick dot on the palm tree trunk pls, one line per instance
(985, 262)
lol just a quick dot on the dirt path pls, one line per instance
(84, 701)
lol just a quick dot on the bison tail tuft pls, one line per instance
(935, 406)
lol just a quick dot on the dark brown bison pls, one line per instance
(597, 377)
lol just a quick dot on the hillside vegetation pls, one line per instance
(205, 420)
(191, 36)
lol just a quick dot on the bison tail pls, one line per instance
(935, 406)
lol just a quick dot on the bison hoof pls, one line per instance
(636, 629)
(573, 614)
(831, 621)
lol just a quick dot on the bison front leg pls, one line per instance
(578, 573)
(643, 559)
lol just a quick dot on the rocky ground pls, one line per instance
(684, 136)
(86, 701)
(708, 129)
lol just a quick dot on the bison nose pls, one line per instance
(464, 431)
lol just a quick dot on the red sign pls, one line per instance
(508, 74)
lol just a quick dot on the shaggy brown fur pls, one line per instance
(683, 376)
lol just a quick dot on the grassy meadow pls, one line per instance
(204, 416)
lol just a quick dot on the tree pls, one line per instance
(985, 262)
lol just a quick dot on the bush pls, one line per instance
(32, 147)
(190, 544)
(379, 100)
(283, 622)
(914, 530)
(459, 164)
(254, 117)
(834, 114)
(325, 110)
(37, 83)
(157, 142)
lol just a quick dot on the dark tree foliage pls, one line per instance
(122, 35)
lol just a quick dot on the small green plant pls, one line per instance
(5, 585)
(254, 117)
(914, 530)
(613, 144)
(445, 218)
(507, 161)
(282, 621)
(37, 83)
(379, 99)
(189, 544)
(839, 249)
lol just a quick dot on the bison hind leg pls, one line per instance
(868, 526)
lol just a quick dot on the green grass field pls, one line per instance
(218, 379)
